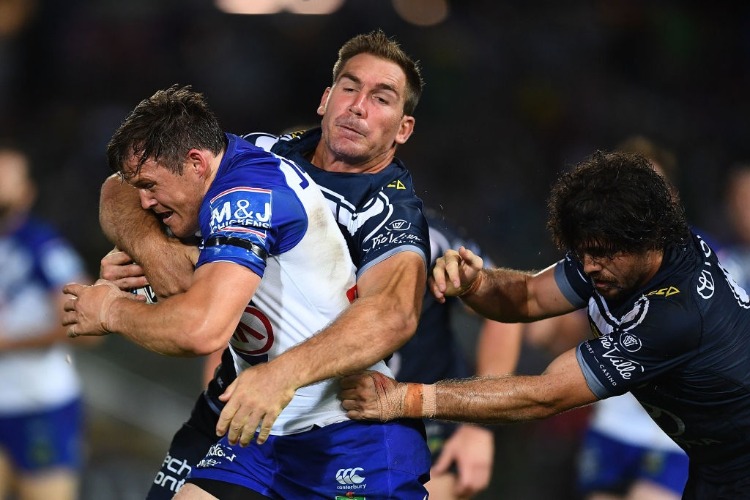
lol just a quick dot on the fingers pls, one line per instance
(240, 421)
(86, 309)
(446, 275)
(73, 289)
(472, 259)
(118, 267)
(442, 464)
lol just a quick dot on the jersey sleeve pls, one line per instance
(658, 335)
(395, 223)
(245, 222)
(573, 283)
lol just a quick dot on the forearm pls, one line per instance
(375, 325)
(499, 294)
(156, 327)
(165, 328)
(168, 263)
(367, 332)
(492, 400)
(505, 399)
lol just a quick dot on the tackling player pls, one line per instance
(366, 113)
(671, 326)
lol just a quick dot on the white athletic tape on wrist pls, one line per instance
(429, 400)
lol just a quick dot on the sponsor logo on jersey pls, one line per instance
(217, 454)
(351, 479)
(253, 337)
(630, 342)
(173, 473)
(624, 366)
(390, 238)
(241, 207)
(705, 286)
(397, 185)
(399, 225)
(666, 292)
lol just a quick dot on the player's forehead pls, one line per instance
(134, 169)
(376, 71)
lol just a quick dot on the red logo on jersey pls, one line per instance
(351, 294)
(254, 334)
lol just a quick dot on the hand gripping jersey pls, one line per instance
(35, 264)
(681, 345)
(265, 213)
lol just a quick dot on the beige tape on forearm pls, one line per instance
(105, 310)
(429, 400)
(403, 400)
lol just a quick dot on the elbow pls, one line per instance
(204, 339)
(403, 325)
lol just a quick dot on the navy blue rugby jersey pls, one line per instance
(379, 214)
(681, 345)
(433, 353)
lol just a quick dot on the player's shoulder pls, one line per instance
(261, 139)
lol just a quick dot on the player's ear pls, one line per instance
(198, 162)
(405, 129)
(324, 102)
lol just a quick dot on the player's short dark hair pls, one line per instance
(378, 44)
(615, 202)
(165, 127)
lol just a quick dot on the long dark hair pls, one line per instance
(615, 202)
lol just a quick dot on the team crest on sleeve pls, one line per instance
(241, 207)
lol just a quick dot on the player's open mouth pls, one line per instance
(163, 216)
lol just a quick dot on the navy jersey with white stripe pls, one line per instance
(379, 214)
(681, 345)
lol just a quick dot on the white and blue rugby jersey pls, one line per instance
(263, 212)
(36, 262)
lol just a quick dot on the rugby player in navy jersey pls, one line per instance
(670, 326)
(365, 114)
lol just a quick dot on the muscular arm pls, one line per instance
(197, 322)
(561, 387)
(381, 320)
(500, 294)
(167, 262)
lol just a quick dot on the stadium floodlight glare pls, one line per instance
(422, 12)
(264, 7)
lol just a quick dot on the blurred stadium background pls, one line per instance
(515, 92)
